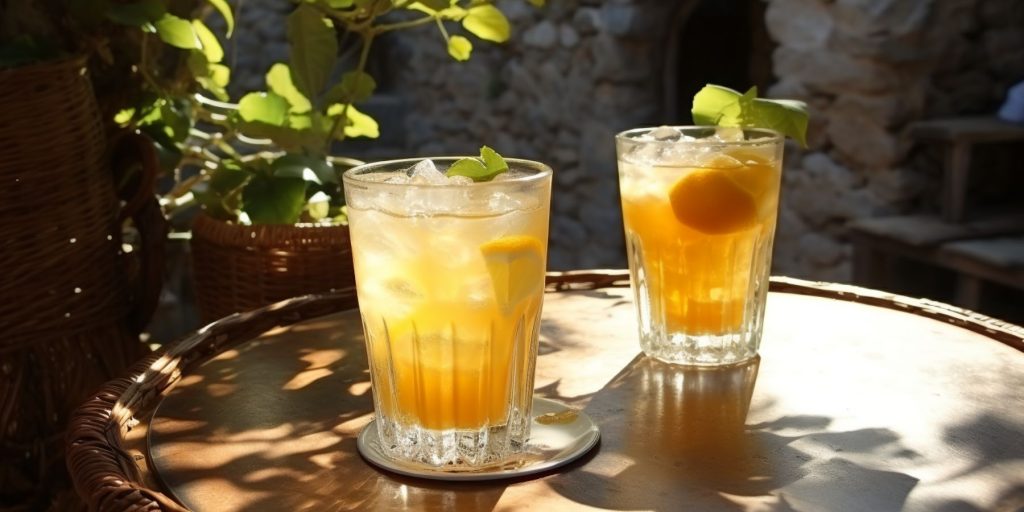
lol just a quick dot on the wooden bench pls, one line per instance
(988, 249)
(977, 248)
(961, 135)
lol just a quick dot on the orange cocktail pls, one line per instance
(699, 208)
(450, 279)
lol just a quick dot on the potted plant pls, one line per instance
(273, 224)
(77, 190)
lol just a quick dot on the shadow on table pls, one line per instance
(684, 444)
(272, 426)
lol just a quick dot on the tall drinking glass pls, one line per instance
(450, 280)
(699, 206)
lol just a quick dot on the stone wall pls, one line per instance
(867, 68)
(578, 71)
(574, 74)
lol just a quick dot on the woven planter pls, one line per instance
(238, 268)
(72, 303)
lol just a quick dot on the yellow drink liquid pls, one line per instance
(698, 235)
(447, 342)
(450, 283)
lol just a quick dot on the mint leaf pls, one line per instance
(489, 165)
(722, 106)
(494, 162)
(470, 167)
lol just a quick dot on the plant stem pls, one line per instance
(340, 121)
(380, 29)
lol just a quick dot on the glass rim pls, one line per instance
(770, 136)
(544, 171)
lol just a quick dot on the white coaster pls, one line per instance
(561, 436)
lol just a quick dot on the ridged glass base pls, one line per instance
(454, 449)
(698, 350)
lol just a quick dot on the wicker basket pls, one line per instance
(238, 268)
(70, 309)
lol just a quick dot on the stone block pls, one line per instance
(863, 140)
(587, 20)
(890, 110)
(799, 24)
(568, 36)
(836, 73)
(542, 36)
(820, 250)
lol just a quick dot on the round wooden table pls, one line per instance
(861, 401)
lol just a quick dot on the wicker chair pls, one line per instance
(74, 300)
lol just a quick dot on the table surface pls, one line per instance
(855, 407)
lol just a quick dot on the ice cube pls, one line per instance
(460, 180)
(715, 160)
(665, 134)
(400, 178)
(426, 173)
(729, 133)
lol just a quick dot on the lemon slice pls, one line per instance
(516, 265)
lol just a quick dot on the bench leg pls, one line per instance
(968, 292)
(870, 267)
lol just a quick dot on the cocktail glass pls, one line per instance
(450, 280)
(699, 206)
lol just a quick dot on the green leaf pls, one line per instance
(492, 164)
(470, 167)
(136, 14)
(536, 3)
(263, 107)
(176, 122)
(305, 167)
(279, 80)
(360, 124)
(313, 49)
(220, 75)
(212, 77)
(722, 106)
(211, 46)
(339, 4)
(177, 32)
(124, 116)
(459, 48)
(227, 178)
(225, 11)
(288, 138)
(487, 22)
(355, 87)
(273, 200)
(319, 206)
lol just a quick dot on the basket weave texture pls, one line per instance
(238, 268)
(66, 304)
